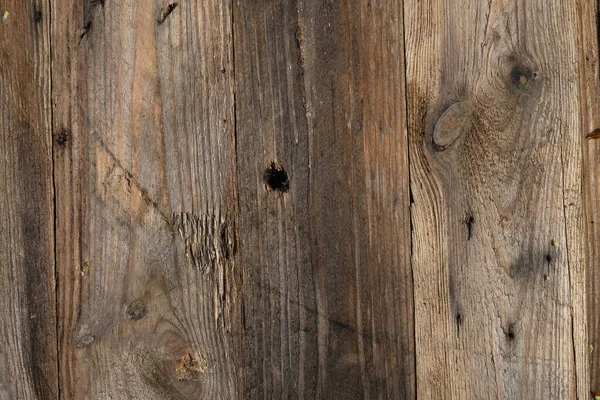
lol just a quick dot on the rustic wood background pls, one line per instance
(332, 199)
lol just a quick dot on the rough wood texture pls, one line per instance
(28, 368)
(299, 199)
(327, 281)
(146, 204)
(497, 251)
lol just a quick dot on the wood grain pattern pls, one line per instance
(28, 367)
(309, 199)
(327, 280)
(146, 198)
(497, 255)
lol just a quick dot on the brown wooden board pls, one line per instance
(495, 135)
(146, 198)
(324, 200)
(28, 365)
(590, 111)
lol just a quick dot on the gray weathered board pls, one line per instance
(205, 199)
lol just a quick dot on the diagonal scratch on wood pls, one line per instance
(128, 175)
(338, 324)
(131, 178)
(224, 234)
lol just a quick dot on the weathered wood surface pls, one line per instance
(299, 199)
(28, 365)
(590, 112)
(146, 205)
(327, 281)
(496, 133)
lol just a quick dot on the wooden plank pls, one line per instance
(495, 135)
(146, 198)
(28, 368)
(324, 199)
(590, 107)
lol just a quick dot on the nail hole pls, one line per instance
(459, 319)
(276, 177)
(510, 332)
(37, 17)
(470, 222)
(62, 138)
(548, 258)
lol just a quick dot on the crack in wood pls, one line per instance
(166, 12)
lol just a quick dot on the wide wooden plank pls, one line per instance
(590, 109)
(324, 199)
(146, 198)
(495, 134)
(28, 367)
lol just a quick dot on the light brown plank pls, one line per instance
(146, 198)
(590, 107)
(495, 139)
(327, 281)
(28, 368)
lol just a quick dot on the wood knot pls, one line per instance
(453, 122)
(84, 341)
(522, 77)
(136, 310)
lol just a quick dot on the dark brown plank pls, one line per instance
(146, 204)
(28, 368)
(495, 135)
(326, 257)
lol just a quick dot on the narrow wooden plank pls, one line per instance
(324, 199)
(28, 367)
(495, 135)
(146, 198)
(590, 106)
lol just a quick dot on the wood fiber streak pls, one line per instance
(326, 256)
(498, 260)
(28, 367)
(146, 199)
